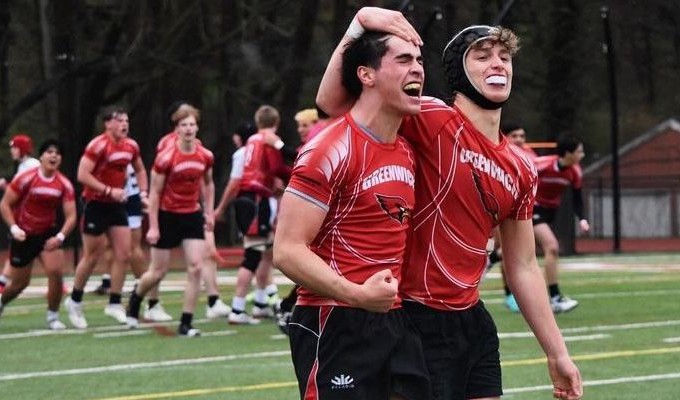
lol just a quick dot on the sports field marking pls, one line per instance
(202, 392)
(125, 367)
(204, 360)
(597, 328)
(278, 385)
(599, 295)
(671, 340)
(597, 356)
(586, 337)
(136, 332)
(600, 382)
(38, 333)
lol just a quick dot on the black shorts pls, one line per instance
(133, 205)
(543, 215)
(175, 227)
(23, 253)
(461, 349)
(344, 353)
(253, 214)
(99, 216)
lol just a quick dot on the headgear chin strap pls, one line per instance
(453, 58)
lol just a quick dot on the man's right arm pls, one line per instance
(332, 96)
(298, 223)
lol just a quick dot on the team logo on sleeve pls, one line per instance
(394, 206)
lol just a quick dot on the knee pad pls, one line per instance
(251, 259)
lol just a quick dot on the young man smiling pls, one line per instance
(469, 180)
(342, 233)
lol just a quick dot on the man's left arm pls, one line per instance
(209, 199)
(528, 285)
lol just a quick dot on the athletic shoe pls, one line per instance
(282, 321)
(116, 311)
(188, 331)
(218, 310)
(75, 313)
(242, 319)
(56, 325)
(562, 304)
(132, 322)
(511, 303)
(156, 313)
(101, 290)
(262, 312)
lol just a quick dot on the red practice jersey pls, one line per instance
(184, 174)
(262, 163)
(39, 199)
(552, 180)
(111, 159)
(466, 185)
(366, 188)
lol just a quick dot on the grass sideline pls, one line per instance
(625, 337)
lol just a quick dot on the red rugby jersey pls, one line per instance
(39, 199)
(366, 187)
(552, 180)
(465, 186)
(262, 163)
(111, 159)
(184, 174)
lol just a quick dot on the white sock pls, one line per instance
(261, 296)
(238, 304)
(271, 289)
(52, 315)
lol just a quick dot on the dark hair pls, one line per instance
(366, 51)
(111, 112)
(245, 130)
(567, 144)
(321, 113)
(509, 126)
(51, 142)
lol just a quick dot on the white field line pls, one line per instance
(126, 367)
(671, 340)
(116, 330)
(598, 295)
(600, 382)
(597, 328)
(586, 337)
(38, 286)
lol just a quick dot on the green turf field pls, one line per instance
(625, 337)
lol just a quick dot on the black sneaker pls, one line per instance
(188, 331)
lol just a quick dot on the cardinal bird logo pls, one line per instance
(488, 199)
(394, 206)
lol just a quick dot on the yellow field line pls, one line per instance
(278, 385)
(598, 356)
(201, 392)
